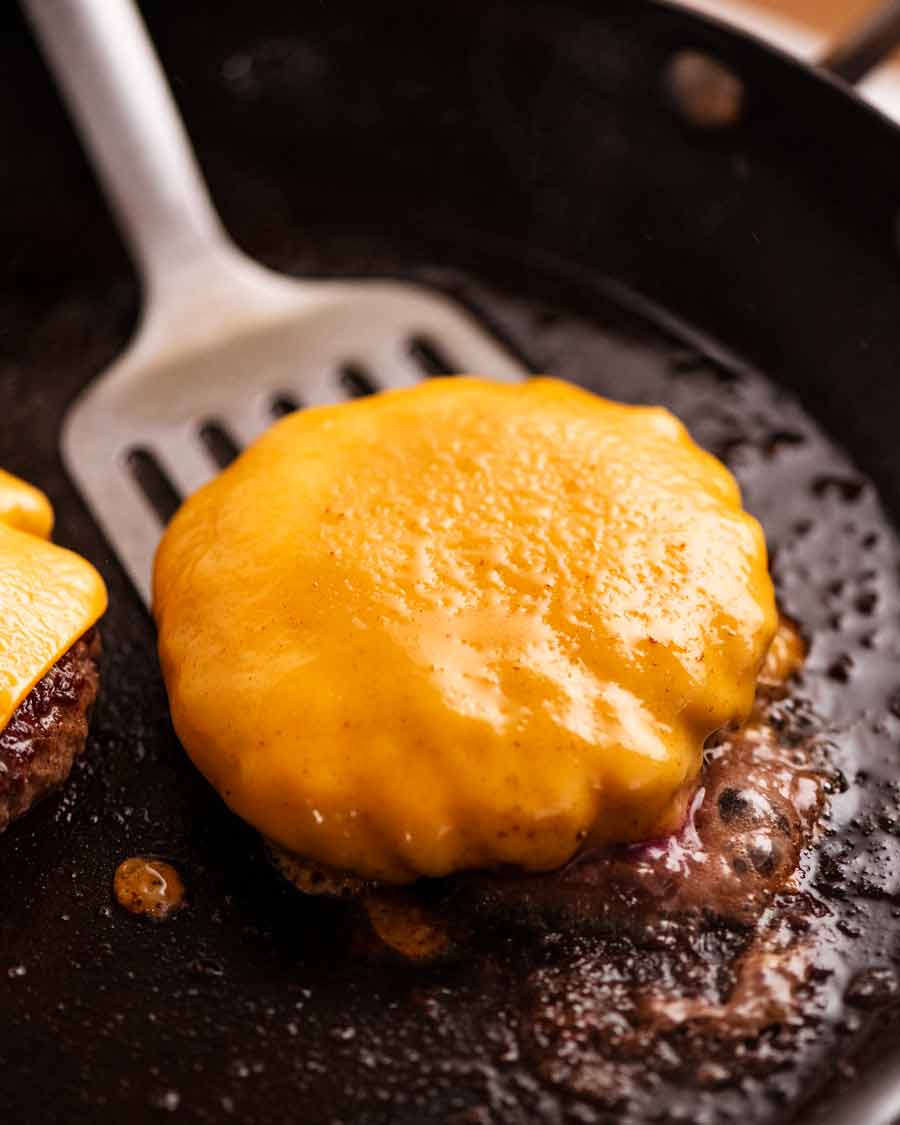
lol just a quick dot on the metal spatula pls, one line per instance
(224, 345)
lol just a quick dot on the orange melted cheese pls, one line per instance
(461, 626)
(48, 596)
(23, 507)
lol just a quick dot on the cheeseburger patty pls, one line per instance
(48, 729)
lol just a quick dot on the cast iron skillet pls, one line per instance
(529, 158)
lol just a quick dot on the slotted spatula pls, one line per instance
(224, 345)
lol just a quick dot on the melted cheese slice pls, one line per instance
(461, 626)
(48, 596)
(24, 507)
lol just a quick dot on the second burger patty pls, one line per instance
(48, 729)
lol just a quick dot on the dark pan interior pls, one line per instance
(523, 156)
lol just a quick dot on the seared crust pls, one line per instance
(48, 730)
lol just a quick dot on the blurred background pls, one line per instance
(829, 15)
(805, 28)
(822, 16)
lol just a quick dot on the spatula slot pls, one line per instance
(283, 404)
(219, 443)
(153, 481)
(356, 381)
(431, 357)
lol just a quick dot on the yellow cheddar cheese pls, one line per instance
(48, 596)
(461, 626)
(24, 507)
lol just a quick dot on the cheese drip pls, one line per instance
(463, 625)
(48, 596)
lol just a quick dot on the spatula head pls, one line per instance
(190, 395)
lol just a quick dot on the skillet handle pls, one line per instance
(102, 58)
(867, 45)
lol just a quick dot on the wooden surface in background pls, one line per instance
(833, 17)
(830, 16)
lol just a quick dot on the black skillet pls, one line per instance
(535, 160)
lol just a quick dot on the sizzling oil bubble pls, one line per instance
(150, 887)
(405, 926)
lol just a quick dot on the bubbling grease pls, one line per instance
(404, 925)
(755, 810)
(149, 887)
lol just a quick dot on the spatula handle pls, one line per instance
(105, 64)
(868, 44)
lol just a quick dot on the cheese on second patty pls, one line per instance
(462, 625)
(49, 596)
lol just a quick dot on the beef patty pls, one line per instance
(757, 809)
(48, 729)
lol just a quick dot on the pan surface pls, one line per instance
(525, 157)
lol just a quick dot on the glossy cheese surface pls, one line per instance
(48, 596)
(24, 507)
(461, 626)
